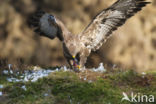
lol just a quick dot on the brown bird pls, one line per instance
(77, 48)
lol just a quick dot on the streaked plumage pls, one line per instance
(78, 47)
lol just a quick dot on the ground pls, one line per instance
(87, 87)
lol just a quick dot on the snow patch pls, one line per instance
(9, 66)
(1, 93)
(46, 94)
(5, 71)
(37, 72)
(85, 79)
(1, 86)
(143, 74)
(28, 75)
(100, 68)
(24, 87)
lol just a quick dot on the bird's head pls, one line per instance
(75, 62)
(52, 20)
(72, 54)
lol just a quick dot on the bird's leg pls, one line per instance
(83, 60)
(83, 57)
(69, 64)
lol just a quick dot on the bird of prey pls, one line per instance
(77, 48)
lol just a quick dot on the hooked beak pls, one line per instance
(76, 63)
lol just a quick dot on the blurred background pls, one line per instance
(133, 46)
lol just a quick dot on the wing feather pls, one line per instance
(108, 21)
(42, 26)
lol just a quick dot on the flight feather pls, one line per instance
(108, 21)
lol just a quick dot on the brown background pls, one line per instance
(132, 46)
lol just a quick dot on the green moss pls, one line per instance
(66, 87)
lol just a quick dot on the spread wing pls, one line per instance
(47, 25)
(40, 22)
(108, 21)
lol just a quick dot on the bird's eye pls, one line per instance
(51, 17)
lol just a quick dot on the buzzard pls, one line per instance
(77, 48)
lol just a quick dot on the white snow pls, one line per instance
(13, 79)
(1, 86)
(85, 79)
(143, 74)
(46, 94)
(100, 68)
(36, 73)
(11, 72)
(1, 93)
(9, 66)
(28, 75)
(24, 87)
(57, 69)
(5, 71)
(65, 68)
